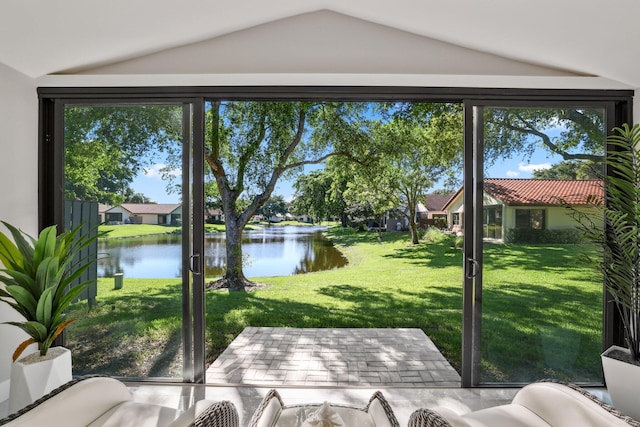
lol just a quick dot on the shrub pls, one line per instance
(434, 235)
(529, 235)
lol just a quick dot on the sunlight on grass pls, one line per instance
(529, 292)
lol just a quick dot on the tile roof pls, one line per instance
(520, 192)
(150, 208)
(436, 202)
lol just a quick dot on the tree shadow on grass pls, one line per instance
(517, 319)
(118, 336)
(564, 258)
(532, 331)
(351, 237)
(434, 255)
(229, 313)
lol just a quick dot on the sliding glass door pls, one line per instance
(133, 160)
(534, 309)
(128, 171)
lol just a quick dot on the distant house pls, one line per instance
(525, 203)
(102, 209)
(145, 213)
(215, 215)
(304, 218)
(276, 218)
(434, 205)
(396, 220)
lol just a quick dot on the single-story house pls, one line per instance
(145, 213)
(434, 205)
(525, 203)
(276, 218)
(395, 221)
(214, 214)
(102, 209)
(304, 218)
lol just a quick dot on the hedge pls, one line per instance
(530, 235)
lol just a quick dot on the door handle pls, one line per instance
(472, 269)
(194, 264)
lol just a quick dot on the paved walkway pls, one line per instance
(333, 357)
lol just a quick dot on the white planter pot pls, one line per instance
(622, 382)
(33, 376)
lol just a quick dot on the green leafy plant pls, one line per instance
(615, 228)
(39, 276)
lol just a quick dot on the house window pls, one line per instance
(113, 217)
(492, 227)
(531, 218)
(456, 218)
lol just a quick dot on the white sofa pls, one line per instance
(106, 402)
(540, 404)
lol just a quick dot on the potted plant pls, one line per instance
(615, 229)
(40, 277)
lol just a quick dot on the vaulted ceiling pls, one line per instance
(542, 38)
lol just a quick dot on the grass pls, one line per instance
(532, 296)
(137, 230)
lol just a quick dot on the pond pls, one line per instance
(270, 251)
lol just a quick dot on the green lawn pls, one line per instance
(532, 295)
(137, 230)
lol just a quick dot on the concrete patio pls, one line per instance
(332, 357)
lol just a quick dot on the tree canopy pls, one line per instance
(251, 145)
(107, 146)
(571, 169)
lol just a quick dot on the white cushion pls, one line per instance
(378, 414)
(271, 413)
(76, 406)
(136, 414)
(541, 404)
(562, 406)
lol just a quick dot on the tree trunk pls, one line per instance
(234, 276)
(344, 220)
(414, 232)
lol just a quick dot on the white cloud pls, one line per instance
(531, 168)
(512, 174)
(156, 172)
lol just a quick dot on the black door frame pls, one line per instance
(50, 163)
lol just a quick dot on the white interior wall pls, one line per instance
(19, 188)
(636, 107)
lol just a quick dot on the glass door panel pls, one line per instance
(541, 307)
(125, 163)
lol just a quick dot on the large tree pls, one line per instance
(574, 134)
(320, 194)
(417, 145)
(571, 169)
(251, 145)
(107, 146)
(417, 155)
(275, 205)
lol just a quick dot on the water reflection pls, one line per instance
(270, 251)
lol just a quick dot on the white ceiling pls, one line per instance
(492, 37)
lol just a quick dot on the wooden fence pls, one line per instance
(78, 213)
